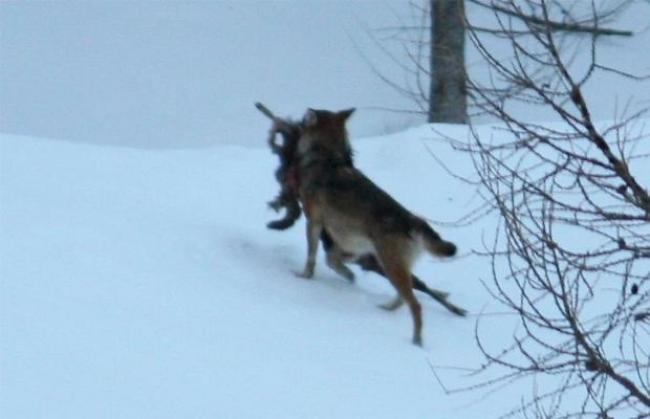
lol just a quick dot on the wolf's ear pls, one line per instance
(347, 113)
(310, 119)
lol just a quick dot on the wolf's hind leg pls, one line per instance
(398, 270)
(335, 261)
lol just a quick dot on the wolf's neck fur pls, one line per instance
(328, 146)
(323, 156)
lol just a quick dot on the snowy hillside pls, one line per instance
(137, 277)
(144, 284)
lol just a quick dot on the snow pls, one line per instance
(140, 281)
(144, 284)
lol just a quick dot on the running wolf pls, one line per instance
(360, 217)
(288, 177)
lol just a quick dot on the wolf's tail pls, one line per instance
(432, 240)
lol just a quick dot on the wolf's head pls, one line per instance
(324, 132)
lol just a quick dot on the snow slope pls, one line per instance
(144, 284)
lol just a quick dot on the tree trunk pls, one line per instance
(447, 95)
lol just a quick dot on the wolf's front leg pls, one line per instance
(313, 233)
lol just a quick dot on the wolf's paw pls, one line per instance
(345, 273)
(393, 305)
(349, 276)
(304, 274)
(417, 340)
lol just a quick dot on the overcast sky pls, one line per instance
(160, 74)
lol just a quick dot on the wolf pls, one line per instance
(360, 217)
(288, 177)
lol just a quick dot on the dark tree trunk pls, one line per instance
(447, 95)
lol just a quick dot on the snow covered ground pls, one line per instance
(140, 281)
(145, 284)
